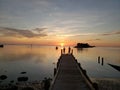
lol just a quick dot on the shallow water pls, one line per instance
(89, 61)
(39, 61)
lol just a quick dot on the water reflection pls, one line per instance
(81, 50)
(39, 61)
(36, 61)
(99, 68)
(22, 57)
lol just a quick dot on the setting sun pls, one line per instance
(61, 44)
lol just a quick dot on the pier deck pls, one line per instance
(69, 76)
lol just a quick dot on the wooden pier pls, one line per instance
(70, 76)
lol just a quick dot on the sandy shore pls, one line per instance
(107, 83)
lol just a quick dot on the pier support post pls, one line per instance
(76, 60)
(102, 61)
(79, 65)
(57, 64)
(85, 73)
(55, 70)
(99, 59)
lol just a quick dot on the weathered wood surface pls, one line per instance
(69, 76)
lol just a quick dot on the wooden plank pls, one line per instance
(69, 76)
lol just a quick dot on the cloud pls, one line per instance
(111, 33)
(12, 32)
(39, 30)
(72, 34)
(97, 39)
(100, 34)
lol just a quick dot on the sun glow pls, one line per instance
(62, 44)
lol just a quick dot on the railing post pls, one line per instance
(55, 70)
(99, 59)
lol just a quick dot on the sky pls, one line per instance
(53, 22)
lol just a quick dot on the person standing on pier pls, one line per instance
(69, 49)
(64, 50)
(72, 51)
(61, 51)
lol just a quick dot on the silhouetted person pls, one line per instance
(99, 59)
(72, 51)
(69, 49)
(102, 61)
(64, 50)
(61, 51)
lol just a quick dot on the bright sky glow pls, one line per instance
(50, 22)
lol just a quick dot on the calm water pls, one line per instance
(38, 61)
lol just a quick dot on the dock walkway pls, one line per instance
(69, 75)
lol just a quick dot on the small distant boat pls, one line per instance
(1, 46)
(56, 47)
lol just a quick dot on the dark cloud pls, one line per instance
(5, 31)
(94, 39)
(38, 30)
(111, 33)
